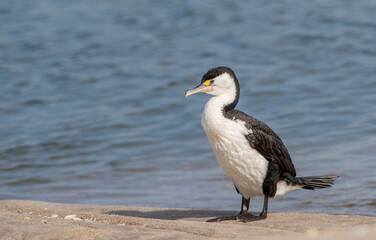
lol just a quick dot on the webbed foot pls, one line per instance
(242, 216)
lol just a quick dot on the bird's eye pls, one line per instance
(208, 82)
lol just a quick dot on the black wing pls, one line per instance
(265, 141)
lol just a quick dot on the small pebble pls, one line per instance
(26, 218)
(69, 217)
(77, 219)
(54, 216)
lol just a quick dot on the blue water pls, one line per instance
(92, 106)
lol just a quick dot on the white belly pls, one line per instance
(242, 164)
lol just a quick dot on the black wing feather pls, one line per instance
(265, 141)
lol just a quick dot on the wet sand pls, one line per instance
(21, 219)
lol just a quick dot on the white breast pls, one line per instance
(242, 164)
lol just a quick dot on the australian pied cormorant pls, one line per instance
(249, 152)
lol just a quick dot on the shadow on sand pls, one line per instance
(173, 214)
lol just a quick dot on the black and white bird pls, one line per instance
(251, 154)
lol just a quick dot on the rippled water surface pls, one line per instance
(92, 106)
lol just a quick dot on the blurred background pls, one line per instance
(92, 106)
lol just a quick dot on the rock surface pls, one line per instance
(21, 219)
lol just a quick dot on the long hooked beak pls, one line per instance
(200, 88)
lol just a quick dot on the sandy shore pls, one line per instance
(42, 220)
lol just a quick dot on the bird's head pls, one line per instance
(221, 82)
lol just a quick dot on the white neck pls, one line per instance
(213, 112)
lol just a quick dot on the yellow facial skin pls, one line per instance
(208, 82)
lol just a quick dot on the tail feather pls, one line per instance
(316, 182)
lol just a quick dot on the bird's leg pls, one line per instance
(245, 205)
(262, 215)
(244, 214)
